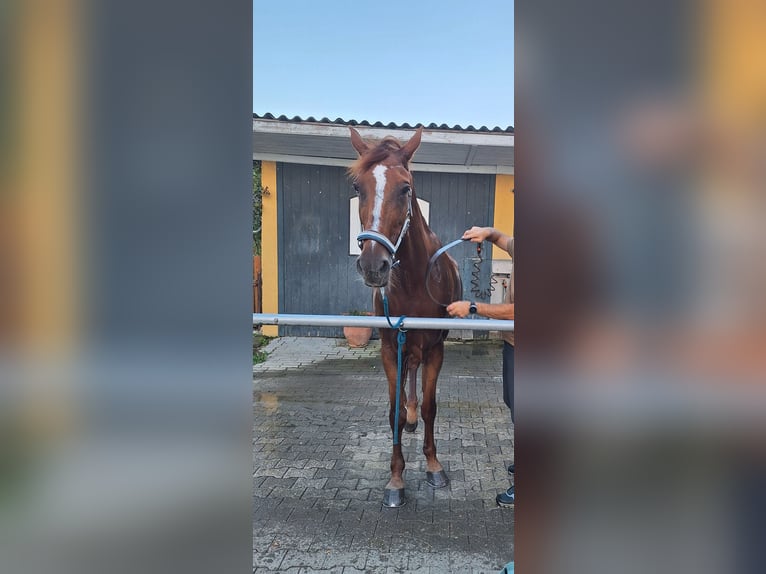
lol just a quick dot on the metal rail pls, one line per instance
(381, 322)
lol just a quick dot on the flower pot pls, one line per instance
(357, 336)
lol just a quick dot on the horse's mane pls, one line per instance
(384, 148)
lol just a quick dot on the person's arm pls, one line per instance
(491, 310)
(479, 234)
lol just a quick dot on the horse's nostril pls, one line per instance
(384, 266)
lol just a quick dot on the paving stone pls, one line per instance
(273, 472)
(331, 504)
(343, 484)
(321, 446)
(379, 562)
(281, 492)
(438, 563)
(338, 473)
(260, 492)
(357, 494)
(271, 559)
(320, 463)
(356, 560)
(278, 482)
(303, 559)
(262, 542)
(294, 472)
(314, 493)
(326, 538)
(313, 483)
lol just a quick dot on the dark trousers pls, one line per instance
(508, 376)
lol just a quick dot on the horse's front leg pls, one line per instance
(435, 474)
(412, 399)
(393, 494)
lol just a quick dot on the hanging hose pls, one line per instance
(476, 289)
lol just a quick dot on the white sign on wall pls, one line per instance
(355, 228)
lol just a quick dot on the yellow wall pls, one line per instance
(503, 210)
(735, 59)
(269, 253)
(39, 206)
(47, 210)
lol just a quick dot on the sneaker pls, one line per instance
(507, 498)
(511, 469)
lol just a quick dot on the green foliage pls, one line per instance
(259, 341)
(259, 357)
(358, 313)
(257, 207)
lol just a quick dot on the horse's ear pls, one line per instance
(358, 142)
(409, 148)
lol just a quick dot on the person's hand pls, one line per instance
(459, 309)
(477, 234)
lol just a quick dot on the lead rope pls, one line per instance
(401, 338)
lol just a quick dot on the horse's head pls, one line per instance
(384, 185)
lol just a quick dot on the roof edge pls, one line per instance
(389, 125)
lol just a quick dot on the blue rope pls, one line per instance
(401, 338)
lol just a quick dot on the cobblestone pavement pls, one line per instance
(322, 450)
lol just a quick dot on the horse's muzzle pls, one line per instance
(375, 271)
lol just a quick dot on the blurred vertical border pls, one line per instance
(125, 288)
(641, 317)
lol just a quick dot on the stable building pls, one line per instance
(462, 177)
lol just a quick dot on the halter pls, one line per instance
(385, 241)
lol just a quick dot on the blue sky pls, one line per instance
(418, 61)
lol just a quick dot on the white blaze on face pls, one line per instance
(380, 186)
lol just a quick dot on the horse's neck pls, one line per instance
(417, 246)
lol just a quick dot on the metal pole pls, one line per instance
(381, 322)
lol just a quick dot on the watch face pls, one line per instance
(472, 308)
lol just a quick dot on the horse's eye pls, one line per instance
(406, 189)
(356, 188)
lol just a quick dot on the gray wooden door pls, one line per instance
(316, 273)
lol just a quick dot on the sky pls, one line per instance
(394, 61)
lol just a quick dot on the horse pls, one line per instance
(396, 246)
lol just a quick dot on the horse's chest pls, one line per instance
(418, 344)
(411, 305)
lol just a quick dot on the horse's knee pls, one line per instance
(412, 412)
(402, 417)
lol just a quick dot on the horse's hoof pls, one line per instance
(393, 497)
(410, 427)
(437, 479)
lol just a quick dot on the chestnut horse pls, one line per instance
(396, 246)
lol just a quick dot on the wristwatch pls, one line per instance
(472, 309)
